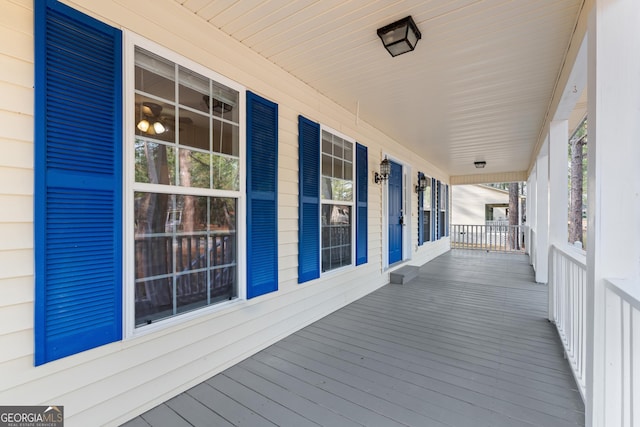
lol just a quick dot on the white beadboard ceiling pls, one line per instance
(477, 87)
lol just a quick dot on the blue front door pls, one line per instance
(395, 213)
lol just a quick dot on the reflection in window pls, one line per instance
(202, 122)
(337, 201)
(185, 254)
(187, 135)
(426, 228)
(336, 236)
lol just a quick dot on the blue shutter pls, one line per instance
(78, 188)
(309, 200)
(420, 213)
(362, 172)
(262, 196)
(439, 192)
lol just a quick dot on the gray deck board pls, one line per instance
(195, 413)
(264, 365)
(229, 409)
(314, 412)
(163, 415)
(466, 343)
(272, 411)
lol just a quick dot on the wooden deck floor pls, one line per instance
(464, 344)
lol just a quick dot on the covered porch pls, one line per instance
(489, 95)
(466, 343)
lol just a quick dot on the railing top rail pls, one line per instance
(576, 255)
(485, 225)
(627, 290)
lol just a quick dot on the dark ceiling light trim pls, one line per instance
(400, 37)
(480, 164)
(217, 105)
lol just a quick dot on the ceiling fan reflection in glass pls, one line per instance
(151, 123)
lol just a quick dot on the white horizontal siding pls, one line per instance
(430, 250)
(16, 126)
(15, 345)
(16, 184)
(21, 154)
(16, 181)
(16, 98)
(16, 236)
(16, 263)
(16, 209)
(16, 290)
(112, 383)
(16, 317)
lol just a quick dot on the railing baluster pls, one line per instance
(491, 237)
(568, 284)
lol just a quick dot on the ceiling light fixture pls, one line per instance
(151, 123)
(159, 128)
(400, 37)
(480, 164)
(143, 125)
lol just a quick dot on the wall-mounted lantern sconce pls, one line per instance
(400, 37)
(422, 182)
(480, 165)
(385, 171)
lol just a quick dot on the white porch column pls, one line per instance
(531, 214)
(558, 198)
(613, 243)
(542, 215)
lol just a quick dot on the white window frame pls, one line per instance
(442, 210)
(130, 41)
(430, 210)
(352, 203)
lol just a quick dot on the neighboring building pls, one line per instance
(476, 204)
(480, 204)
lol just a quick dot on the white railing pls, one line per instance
(501, 238)
(568, 282)
(622, 353)
(496, 222)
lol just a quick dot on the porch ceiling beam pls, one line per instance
(488, 178)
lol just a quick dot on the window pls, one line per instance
(184, 158)
(441, 206)
(337, 201)
(442, 210)
(332, 201)
(426, 209)
(185, 189)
